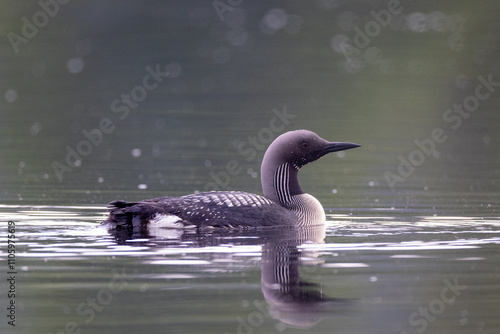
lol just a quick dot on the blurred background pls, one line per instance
(136, 99)
(104, 100)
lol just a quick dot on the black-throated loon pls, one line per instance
(283, 203)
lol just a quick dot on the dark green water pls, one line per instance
(131, 100)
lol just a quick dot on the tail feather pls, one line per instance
(121, 213)
(125, 220)
(136, 213)
(119, 205)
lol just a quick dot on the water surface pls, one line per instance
(411, 244)
(373, 273)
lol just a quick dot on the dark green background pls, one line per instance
(230, 75)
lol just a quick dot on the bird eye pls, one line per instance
(305, 144)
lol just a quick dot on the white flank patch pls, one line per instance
(166, 221)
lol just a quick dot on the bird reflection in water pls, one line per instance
(292, 301)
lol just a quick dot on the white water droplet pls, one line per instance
(136, 152)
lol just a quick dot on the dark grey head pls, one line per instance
(295, 148)
(301, 147)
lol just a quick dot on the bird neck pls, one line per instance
(280, 183)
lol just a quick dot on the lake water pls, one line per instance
(376, 272)
(128, 100)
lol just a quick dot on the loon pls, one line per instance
(283, 203)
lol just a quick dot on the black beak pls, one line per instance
(335, 147)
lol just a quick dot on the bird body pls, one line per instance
(283, 203)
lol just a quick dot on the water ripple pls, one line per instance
(73, 232)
